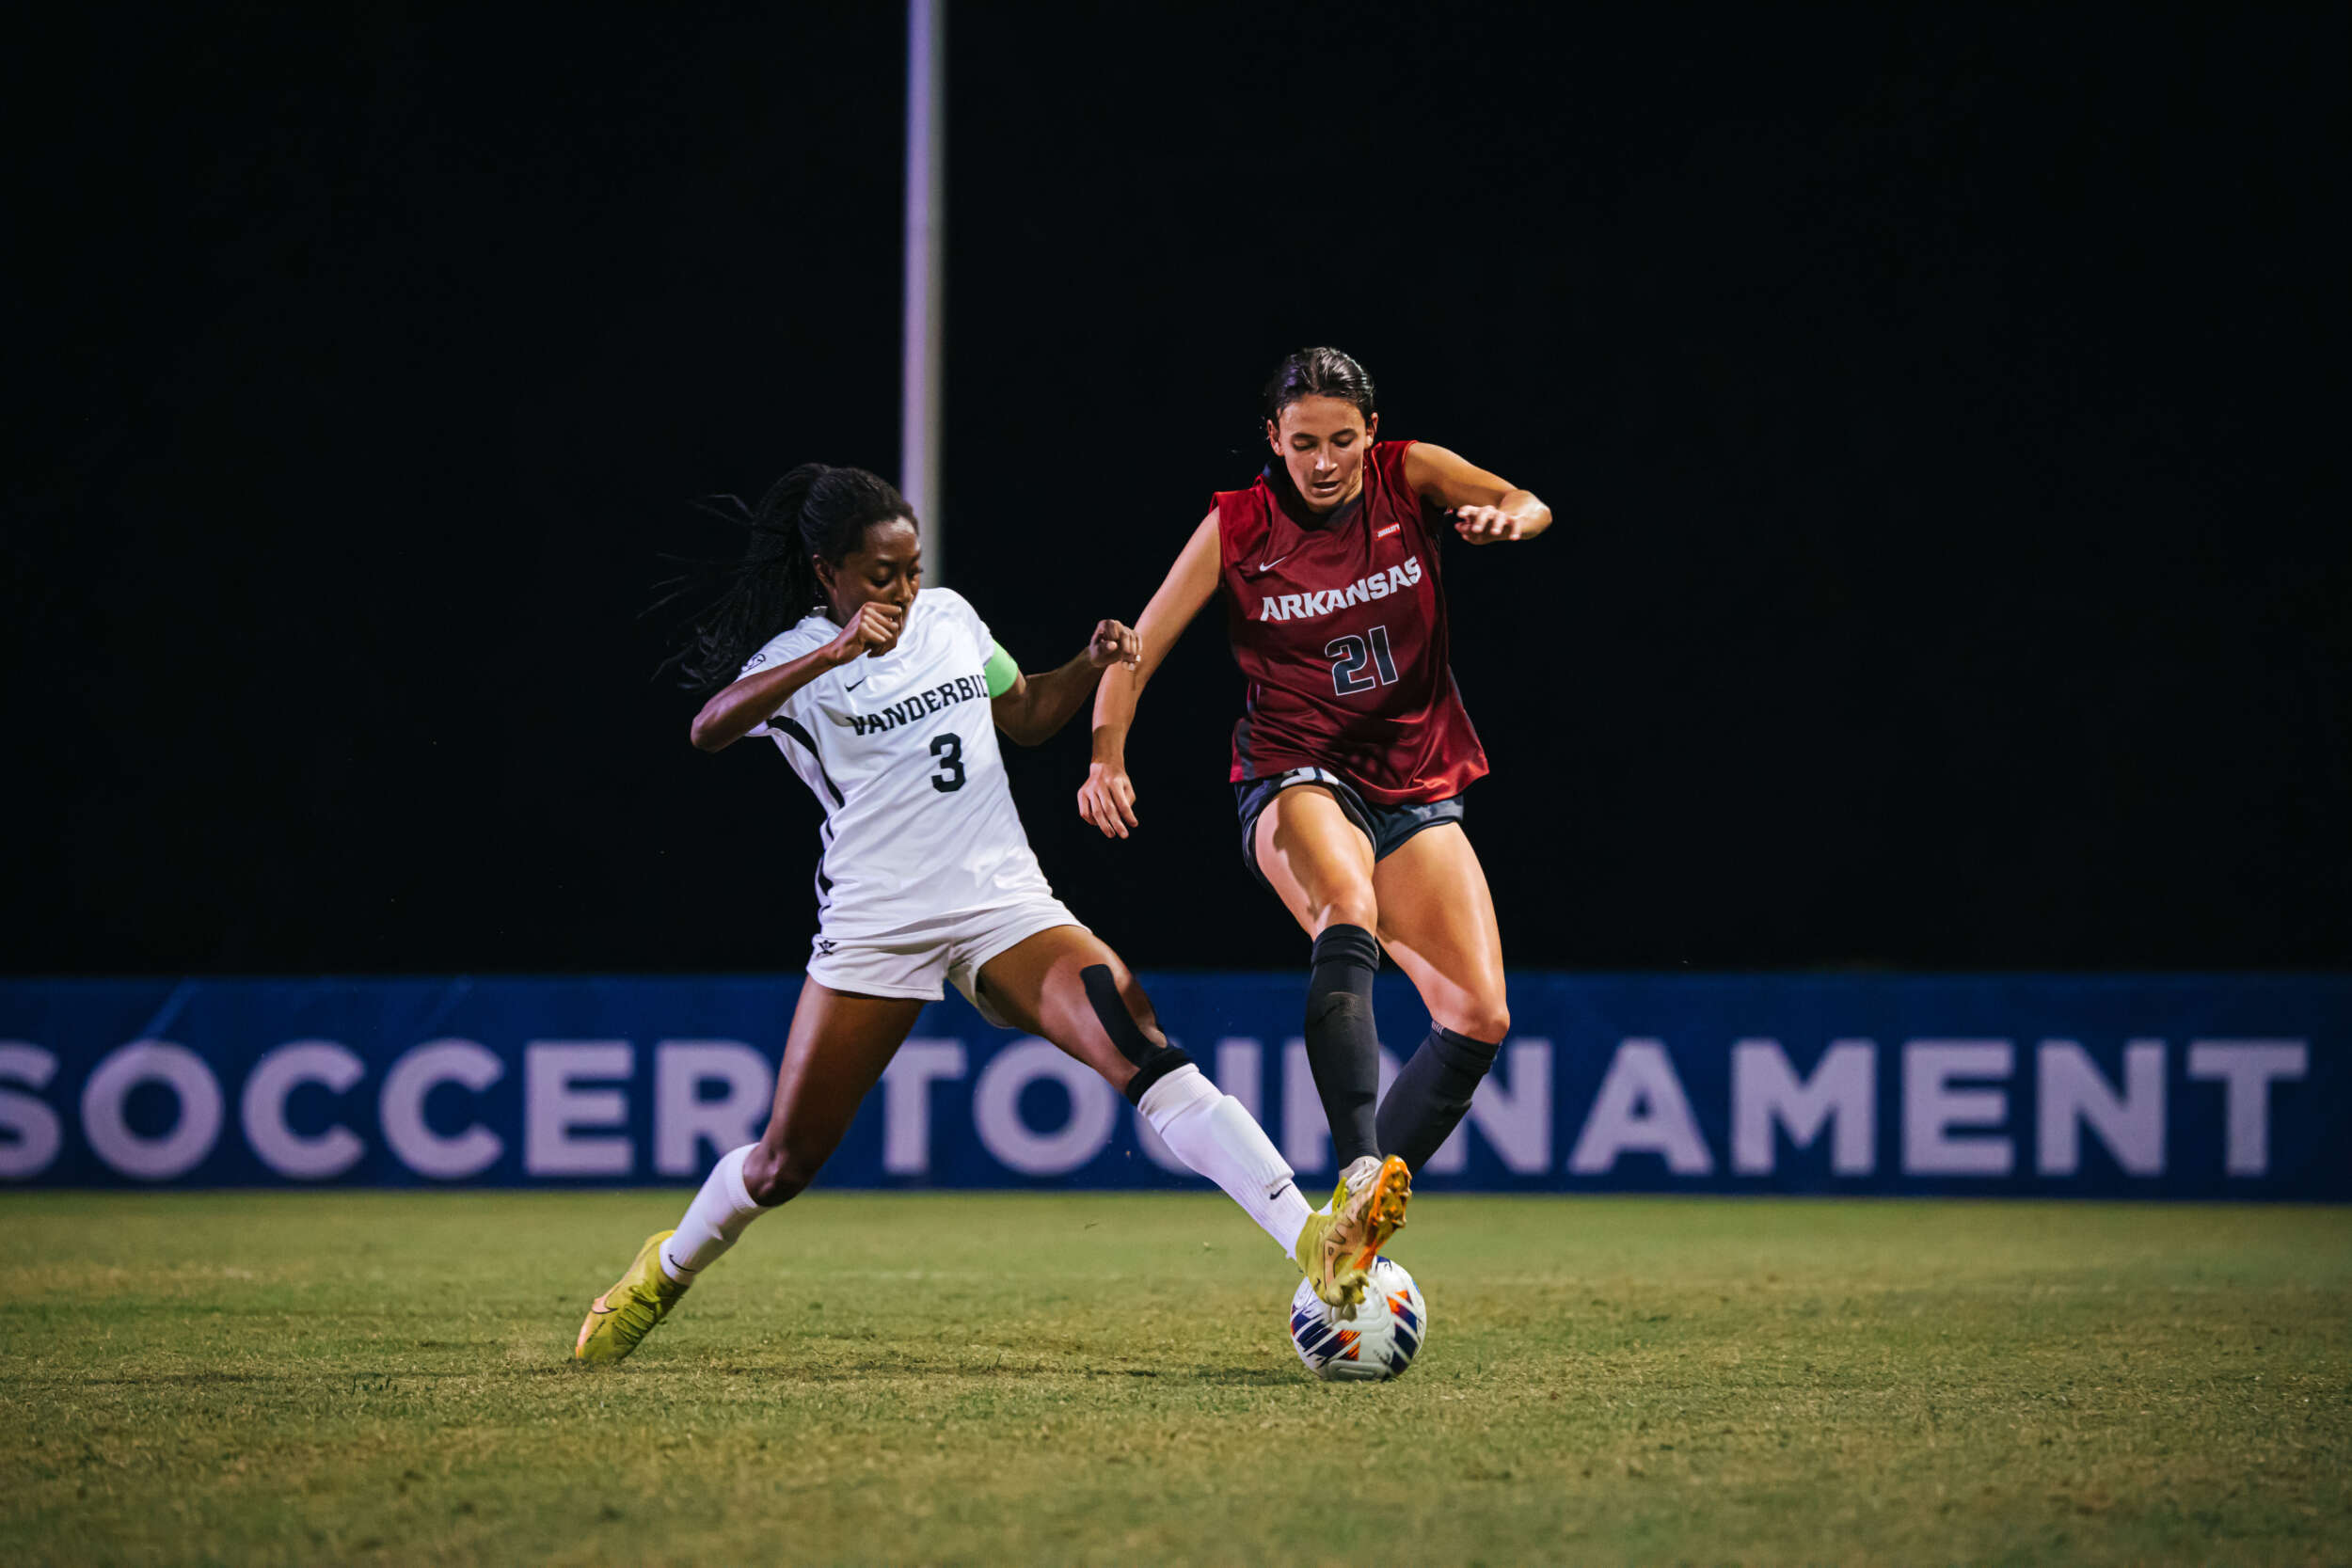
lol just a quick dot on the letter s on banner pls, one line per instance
(30, 1134)
(263, 1108)
(191, 1138)
(416, 1075)
(996, 1110)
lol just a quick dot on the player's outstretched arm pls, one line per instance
(1487, 509)
(1034, 708)
(751, 700)
(1107, 799)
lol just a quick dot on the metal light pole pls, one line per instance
(927, 227)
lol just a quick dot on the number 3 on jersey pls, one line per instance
(948, 749)
(1349, 656)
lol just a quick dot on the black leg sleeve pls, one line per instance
(1431, 1095)
(1343, 1046)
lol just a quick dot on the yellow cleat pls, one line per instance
(1328, 1262)
(626, 1313)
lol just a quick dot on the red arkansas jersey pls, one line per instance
(1339, 629)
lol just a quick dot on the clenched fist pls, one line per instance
(1114, 643)
(873, 632)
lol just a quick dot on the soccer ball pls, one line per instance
(1379, 1342)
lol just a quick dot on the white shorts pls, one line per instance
(914, 961)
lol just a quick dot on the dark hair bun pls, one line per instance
(1319, 372)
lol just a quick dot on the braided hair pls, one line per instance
(812, 512)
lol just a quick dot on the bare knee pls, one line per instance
(1481, 1015)
(1490, 1022)
(774, 1175)
(1347, 906)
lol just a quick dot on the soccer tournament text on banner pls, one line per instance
(2161, 1087)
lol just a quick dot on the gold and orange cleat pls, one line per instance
(1341, 1241)
(1373, 1210)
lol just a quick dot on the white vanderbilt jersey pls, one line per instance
(901, 753)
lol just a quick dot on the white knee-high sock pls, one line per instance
(1215, 1135)
(713, 1221)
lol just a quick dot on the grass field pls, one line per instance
(315, 1377)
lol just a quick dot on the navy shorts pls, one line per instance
(1388, 827)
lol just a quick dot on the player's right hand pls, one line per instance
(1107, 799)
(872, 633)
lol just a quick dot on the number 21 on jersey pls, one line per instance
(1350, 653)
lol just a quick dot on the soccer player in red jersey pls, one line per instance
(1353, 749)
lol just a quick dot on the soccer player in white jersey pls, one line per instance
(887, 701)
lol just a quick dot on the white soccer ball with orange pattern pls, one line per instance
(1379, 1342)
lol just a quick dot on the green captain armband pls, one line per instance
(1000, 671)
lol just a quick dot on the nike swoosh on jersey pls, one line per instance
(1270, 566)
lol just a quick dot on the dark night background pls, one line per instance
(1944, 414)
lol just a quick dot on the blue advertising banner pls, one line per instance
(2169, 1087)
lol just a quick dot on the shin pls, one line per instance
(1342, 1044)
(1432, 1094)
(714, 1220)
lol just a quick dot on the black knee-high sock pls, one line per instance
(1431, 1095)
(1343, 1046)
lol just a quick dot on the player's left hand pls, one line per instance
(1486, 525)
(1114, 643)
